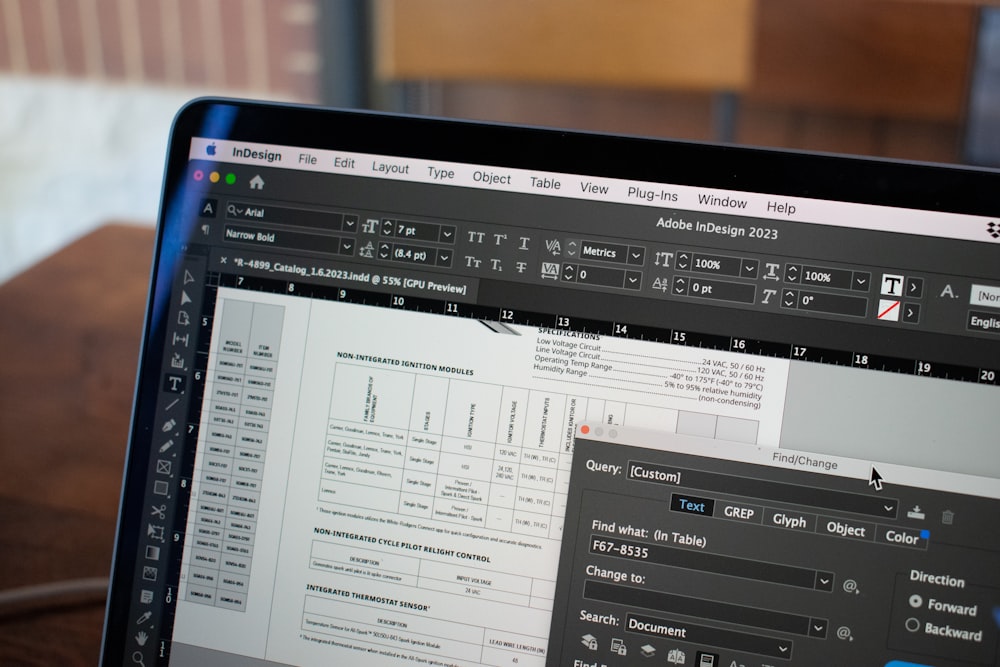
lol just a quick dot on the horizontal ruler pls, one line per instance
(764, 348)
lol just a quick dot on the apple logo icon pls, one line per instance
(210, 149)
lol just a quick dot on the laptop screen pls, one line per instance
(374, 345)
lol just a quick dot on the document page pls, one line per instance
(413, 485)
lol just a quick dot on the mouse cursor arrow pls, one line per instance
(875, 480)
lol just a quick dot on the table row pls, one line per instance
(505, 508)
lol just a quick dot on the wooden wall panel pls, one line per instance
(704, 45)
(875, 57)
(640, 112)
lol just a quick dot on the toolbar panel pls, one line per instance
(796, 285)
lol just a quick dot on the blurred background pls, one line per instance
(88, 87)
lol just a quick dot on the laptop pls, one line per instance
(429, 392)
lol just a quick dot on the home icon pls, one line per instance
(257, 183)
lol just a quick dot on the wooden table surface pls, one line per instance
(69, 334)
